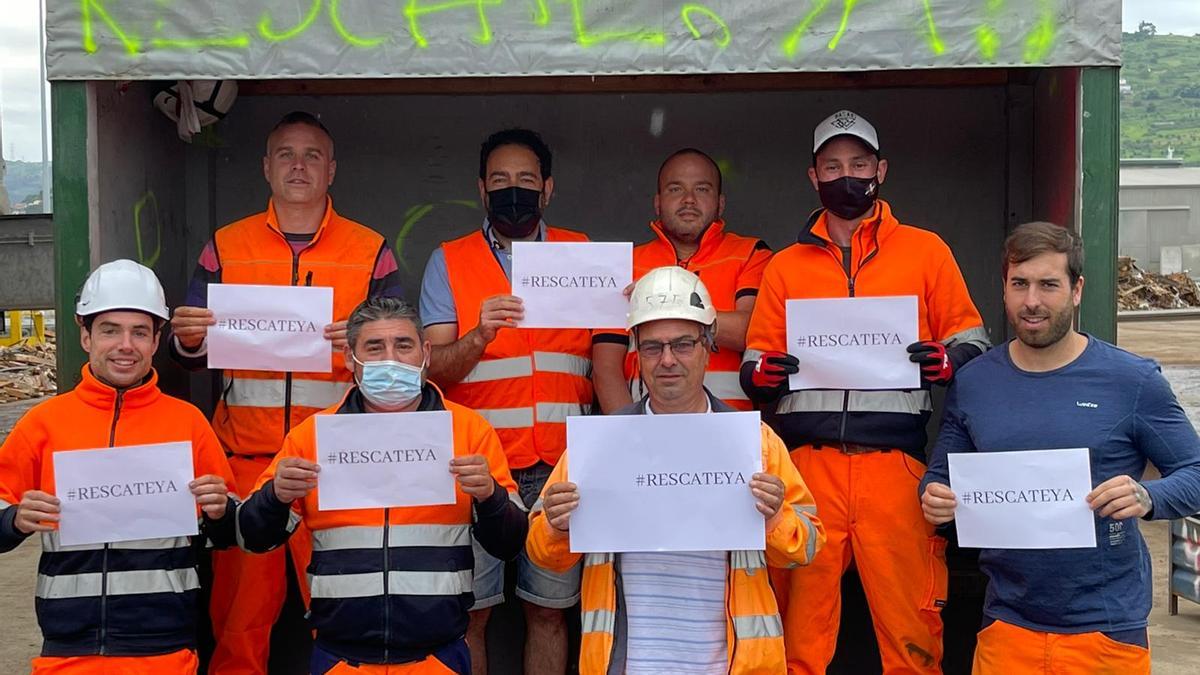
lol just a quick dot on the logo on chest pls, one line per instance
(1086, 404)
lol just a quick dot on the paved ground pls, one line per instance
(1175, 639)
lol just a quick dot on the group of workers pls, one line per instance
(845, 475)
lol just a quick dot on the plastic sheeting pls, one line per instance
(208, 39)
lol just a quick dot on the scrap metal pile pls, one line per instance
(27, 370)
(1138, 289)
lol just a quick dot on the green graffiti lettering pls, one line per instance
(233, 41)
(269, 33)
(847, 8)
(584, 38)
(989, 42)
(541, 15)
(147, 200)
(414, 215)
(935, 43)
(686, 14)
(791, 44)
(350, 38)
(1040, 40)
(86, 7)
(986, 36)
(414, 11)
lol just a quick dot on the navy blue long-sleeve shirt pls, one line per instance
(1122, 409)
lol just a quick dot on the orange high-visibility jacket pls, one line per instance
(391, 585)
(886, 259)
(132, 598)
(754, 631)
(257, 408)
(731, 267)
(528, 380)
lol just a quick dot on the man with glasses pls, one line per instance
(722, 616)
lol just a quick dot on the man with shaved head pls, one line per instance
(690, 232)
(298, 241)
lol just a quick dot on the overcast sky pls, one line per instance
(20, 99)
(20, 67)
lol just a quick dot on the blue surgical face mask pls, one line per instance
(390, 384)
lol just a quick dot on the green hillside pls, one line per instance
(23, 179)
(1163, 109)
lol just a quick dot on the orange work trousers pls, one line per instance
(1005, 649)
(249, 589)
(430, 666)
(868, 504)
(183, 661)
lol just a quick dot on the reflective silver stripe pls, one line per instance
(430, 583)
(507, 418)
(52, 544)
(725, 385)
(559, 412)
(516, 499)
(598, 621)
(751, 356)
(500, 369)
(255, 393)
(365, 585)
(537, 506)
(4, 504)
(593, 559)
(557, 362)
(747, 560)
(343, 538)
(810, 546)
(757, 626)
(886, 401)
(977, 336)
(119, 583)
(293, 521)
(370, 584)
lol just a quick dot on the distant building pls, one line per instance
(1124, 87)
(1160, 215)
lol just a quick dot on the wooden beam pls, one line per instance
(604, 84)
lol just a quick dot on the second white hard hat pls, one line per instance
(670, 293)
(122, 285)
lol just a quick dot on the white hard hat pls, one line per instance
(122, 285)
(845, 123)
(670, 293)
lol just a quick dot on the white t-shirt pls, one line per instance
(675, 610)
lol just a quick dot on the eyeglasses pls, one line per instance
(681, 347)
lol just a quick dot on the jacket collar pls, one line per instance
(92, 391)
(353, 404)
(879, 225)
(273, 219)
(639, 408)
(709, 240)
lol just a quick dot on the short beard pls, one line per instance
(1060, 326)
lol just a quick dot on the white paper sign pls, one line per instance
(278, 328)
(853, 343)
(1028, 499)
(124, 494)
(665, 482)
(572, 284)
(381, 460)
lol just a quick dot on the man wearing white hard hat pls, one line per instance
(126, 607)
(862, 452)
(722, 616)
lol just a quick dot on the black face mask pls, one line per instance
(849, 197)
(514, 211)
